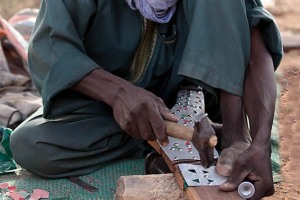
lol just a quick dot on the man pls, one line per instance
(108, 71)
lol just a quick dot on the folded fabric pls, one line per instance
(16, 107)
(18, 96)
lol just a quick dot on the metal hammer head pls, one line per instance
(204, 139)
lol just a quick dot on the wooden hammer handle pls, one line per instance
(179, 131)
(182, 132)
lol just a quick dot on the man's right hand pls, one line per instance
(139, 113)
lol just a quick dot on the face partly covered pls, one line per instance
(160, 11)
(162, 4)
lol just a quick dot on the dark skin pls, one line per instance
(259, 103)
(141, 114)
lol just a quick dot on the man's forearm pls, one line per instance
(138, 112)
(101, 85)
(260, 91)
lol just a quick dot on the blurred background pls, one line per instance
(9, 7)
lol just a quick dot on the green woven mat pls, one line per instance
(275, 156)
(104, 179)
(275, 139)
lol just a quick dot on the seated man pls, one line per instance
(108, 72)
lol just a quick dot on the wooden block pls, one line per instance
(210, 192)
(179, 178)
(144, 187)
(164, 186)
(156, 146)
(171, 164)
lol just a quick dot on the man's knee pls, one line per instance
(30, 154)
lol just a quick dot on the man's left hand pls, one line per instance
(253, 164)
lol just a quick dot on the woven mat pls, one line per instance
(275, 139)
(104, 179)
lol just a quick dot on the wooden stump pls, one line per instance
(145, 187)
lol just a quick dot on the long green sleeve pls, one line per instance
(57, 56)
(258, 16)
(217, 51)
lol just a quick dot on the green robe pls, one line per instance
(207, 42)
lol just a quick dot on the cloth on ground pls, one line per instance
(18, 96)
(7, 163)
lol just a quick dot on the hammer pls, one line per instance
(202, 136)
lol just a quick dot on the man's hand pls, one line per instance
(141, 114)
(255, 165)
(138, 112)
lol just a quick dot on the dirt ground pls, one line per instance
(287, 13)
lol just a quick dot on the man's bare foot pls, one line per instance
(228, 157)
(233, 144)
(235, 133)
